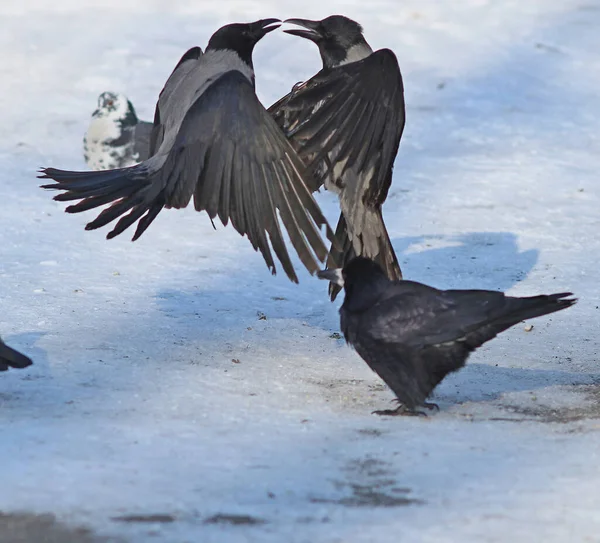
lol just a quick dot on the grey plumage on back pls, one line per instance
(185, 65)
(214, 141)
(190, 82)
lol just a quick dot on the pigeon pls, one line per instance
(346, 123)
(413, 335)
(214, 141)
(115, 137)
(9, 358)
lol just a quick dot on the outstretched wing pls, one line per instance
(233, 159)
(348, 118)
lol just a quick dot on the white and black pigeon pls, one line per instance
(214, 141)
(346, 123)
(115, 138)
(9, 358)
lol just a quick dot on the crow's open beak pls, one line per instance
(263, 26)
(312, 33)
(333, 275)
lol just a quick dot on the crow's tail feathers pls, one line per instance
(9, 358)
(127, 189)
(371, 240)
(520, 309)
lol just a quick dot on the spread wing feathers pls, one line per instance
(9, 358)
(125, 188)
(423, 334)
(142, 135)
(350, 117)
(186, 63)
(371, 240)
(233, 159)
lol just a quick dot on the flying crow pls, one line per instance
(413, 335)
(346, 123)
(115, 137)
(9, 358)
(213, 140)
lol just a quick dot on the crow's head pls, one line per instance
(241, 37)
(340, 40)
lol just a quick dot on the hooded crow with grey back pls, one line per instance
(9, 358)
(214, 141)
(413, 335)
(346, 123)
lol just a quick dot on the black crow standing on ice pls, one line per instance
(212, 139)
(413, 335)
(346, 123)
(9, 358)
(115, 137)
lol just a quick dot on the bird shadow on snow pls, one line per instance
(488, 260)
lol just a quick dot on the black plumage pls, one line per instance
(413, 335)
(9, 358)
(346, 123)
(214, 141)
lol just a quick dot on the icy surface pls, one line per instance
(162, 407)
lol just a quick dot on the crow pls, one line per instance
(115, 138)
(413, 335)
(9, 358)
(346, 123)
(212, 139)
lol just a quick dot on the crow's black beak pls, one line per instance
(313, 29)
(333, 275)
(263, 27)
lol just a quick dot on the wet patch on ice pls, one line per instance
(234, 520)
(553, 404)
(369, 482)
(35, 528)
(160, 518)
(562, 405)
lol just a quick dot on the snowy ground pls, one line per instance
(135, 420)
